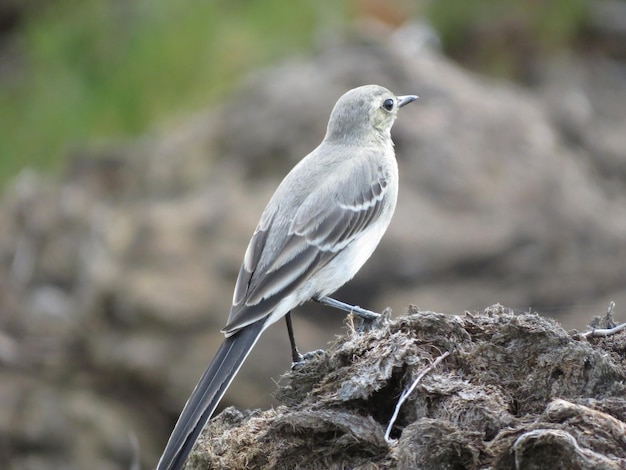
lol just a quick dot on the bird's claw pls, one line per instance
(304, 358)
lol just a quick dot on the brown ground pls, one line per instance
(516, 392)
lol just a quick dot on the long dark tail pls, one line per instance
(207, 394)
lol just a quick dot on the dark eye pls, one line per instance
(388, 104)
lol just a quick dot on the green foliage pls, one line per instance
(101, 69)
(497, 36)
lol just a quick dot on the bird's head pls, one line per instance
(365, 114)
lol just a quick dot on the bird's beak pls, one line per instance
(404, 100)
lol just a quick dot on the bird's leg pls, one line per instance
(295, 354)
(365, 314)
(297, 358)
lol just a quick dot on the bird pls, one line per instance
(321, 225)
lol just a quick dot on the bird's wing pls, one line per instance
(330, 218)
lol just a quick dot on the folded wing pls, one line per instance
(331, 218)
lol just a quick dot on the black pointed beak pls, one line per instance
(404, 100)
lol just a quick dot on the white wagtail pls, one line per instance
(321, 225)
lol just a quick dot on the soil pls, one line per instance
(515, 392)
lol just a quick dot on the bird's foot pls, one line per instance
(304, 358)
(370, 323)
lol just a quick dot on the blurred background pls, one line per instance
(140, 141)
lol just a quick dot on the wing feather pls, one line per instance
(252, 257)
(326, 222)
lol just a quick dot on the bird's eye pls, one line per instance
(388, 104)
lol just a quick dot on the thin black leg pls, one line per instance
(295, 354)
(358, 311)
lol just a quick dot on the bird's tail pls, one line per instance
(207, 394)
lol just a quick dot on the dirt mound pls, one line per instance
(516, 391)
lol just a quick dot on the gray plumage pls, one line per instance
(320, 226)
